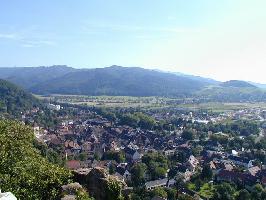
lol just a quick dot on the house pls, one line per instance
(73, 164)
(241, 161)
(114, 146)
(254, 170)
(124, 173)
(169, 152)
(228, 166)
(211, 155)
(236, 177)
(159, 183)
(132, 152)
(54, 142)
(86, 147)
(36, 129)
(192, 163)
(103, 164)
(217, 166)
(53, 107)
(136, 156)
(184, 172)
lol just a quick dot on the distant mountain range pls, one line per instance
(123, 81)
(259, 85)
(198, 78)
(116, 80)
(27, 77)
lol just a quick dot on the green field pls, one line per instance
(224, 107)
(108, 101)
(149, 102)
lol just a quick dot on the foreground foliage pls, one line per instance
(23, 171)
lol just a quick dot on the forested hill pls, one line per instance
(238, 84)
(27, 77)
(121, 81)
(233, 91)
(128, 81)
(14, 100)
(114, 80)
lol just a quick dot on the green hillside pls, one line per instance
(232, 94)
(237, 84)
(14, 100)
(120, 81)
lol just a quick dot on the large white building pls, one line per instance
(53, 107)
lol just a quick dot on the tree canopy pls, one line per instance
(23, 171)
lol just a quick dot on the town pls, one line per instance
(133, 100)
(160, 153)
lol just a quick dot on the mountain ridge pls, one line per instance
(28, 76)
(121, 81)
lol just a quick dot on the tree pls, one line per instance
(83, 195)
(82, 156)
(206, 173)
(130, 120)
(137, 174)
(258, 192)
(23, 170)
(112, 169)
(111, 116)
(188, 135)
(172, 172)
(181, 156)
(185, 197)
(179, 183)
(54, 157)
(159, 192)
(224, 191)
(158, 172)
(138, 120)
(145, 121)
(243, 195)
(113, 190)
(114, 155)
(97, 157)
(134, 196)
(197, 150)
(171, 194)
(157, 164)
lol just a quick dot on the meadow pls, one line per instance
(150, 102)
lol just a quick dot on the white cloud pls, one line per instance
(28, 45)
(8, 36)
(92, 27)
(27, 40)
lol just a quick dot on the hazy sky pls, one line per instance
(222, 39)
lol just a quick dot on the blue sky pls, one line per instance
(223, 39)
